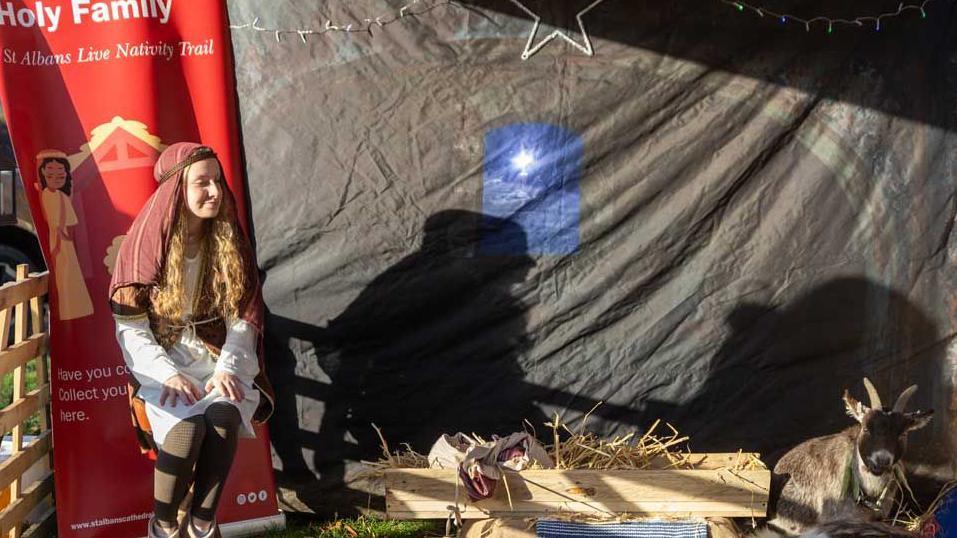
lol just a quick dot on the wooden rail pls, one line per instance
(20, 306)
(713, 488)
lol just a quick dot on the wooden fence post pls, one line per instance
(22, 300)
(19, 387)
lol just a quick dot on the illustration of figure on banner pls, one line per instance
(55, 182)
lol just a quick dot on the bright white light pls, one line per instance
(523, 161)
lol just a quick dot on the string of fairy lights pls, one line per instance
(873, 21)
(365, 25)
(417, 8)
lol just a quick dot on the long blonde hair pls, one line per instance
(222, 285)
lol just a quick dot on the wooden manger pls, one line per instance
(705, 485)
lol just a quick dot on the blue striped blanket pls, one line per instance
(631, 529)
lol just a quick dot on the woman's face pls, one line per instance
(204, 191)
(54, 174)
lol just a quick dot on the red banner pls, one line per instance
(107, 85)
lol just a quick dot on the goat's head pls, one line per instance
(882, 438)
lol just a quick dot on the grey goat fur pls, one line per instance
(848, 475)
(846, 529)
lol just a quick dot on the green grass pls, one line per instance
(32, 424)
(361, 527)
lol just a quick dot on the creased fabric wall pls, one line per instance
(717, 220)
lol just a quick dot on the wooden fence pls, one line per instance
(21, 311)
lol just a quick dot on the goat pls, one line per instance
(839, 476)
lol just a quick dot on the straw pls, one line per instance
(653, 448)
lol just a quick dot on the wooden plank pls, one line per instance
(19, 387)
(13, 515)
(598, 504)
(16, 465)
(4, 332)
(423, 493)
(708, 461)
(12, 293)
(691, 510)
(522, 509)
(45, 528)
(4, 328)
(17, 412)
(19, 354)
(20, 323)
(36, 315)
(546, 486)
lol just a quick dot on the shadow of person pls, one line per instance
(779, 376)
(426, 340)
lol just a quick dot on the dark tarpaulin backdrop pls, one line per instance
(718, 220)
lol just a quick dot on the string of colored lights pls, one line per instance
(829, 22)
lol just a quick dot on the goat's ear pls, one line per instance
(918, 419)
(855, 409)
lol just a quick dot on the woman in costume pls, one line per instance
(188, 308)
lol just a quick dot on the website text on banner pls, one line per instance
(96, 90)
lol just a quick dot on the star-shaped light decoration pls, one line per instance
(523, 161)
(531, 49)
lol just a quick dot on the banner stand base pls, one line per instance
(253, 527)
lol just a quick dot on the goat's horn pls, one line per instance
(872, 392)
(904, 398)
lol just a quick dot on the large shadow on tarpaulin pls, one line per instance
(912, 57)
(434, 344)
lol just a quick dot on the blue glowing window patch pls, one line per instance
(532, 171)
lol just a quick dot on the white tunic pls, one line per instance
(152, 365)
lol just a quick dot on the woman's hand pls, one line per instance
(178, 387)
(228, 385)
